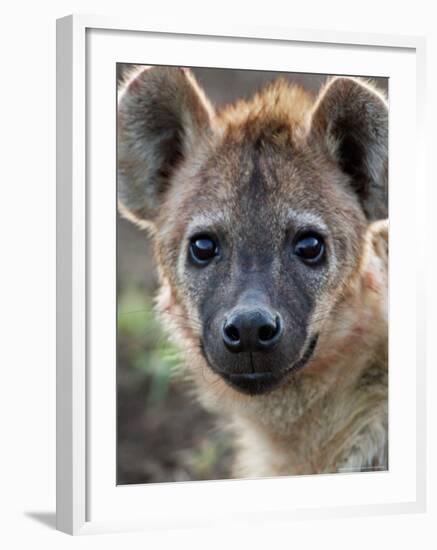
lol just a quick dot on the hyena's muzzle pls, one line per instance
(259, 337)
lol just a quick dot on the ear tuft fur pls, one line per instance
(350, 120)
(162, 113)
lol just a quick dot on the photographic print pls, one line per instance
(252, 272)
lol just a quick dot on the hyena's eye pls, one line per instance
(203, 248)
(310, 247)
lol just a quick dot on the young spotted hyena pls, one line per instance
(268, 221)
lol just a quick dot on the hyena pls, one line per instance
(268, 218)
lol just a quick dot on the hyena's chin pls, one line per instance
(251, 378)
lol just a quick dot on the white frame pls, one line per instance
(72, 281)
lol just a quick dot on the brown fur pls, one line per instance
(252, 169)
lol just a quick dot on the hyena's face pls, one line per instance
(258, 253)
(258, 212)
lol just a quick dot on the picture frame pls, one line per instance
(88, 500)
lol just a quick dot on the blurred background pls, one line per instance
(163, 434)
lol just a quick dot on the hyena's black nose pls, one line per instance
(252, 330)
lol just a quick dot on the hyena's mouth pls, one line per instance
(257, 383)
(307, 354)
(253, 383)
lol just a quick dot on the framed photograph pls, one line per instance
(239, 334)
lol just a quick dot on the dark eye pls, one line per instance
(202, 249)
(310, 247)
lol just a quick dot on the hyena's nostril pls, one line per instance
(268, 331)
(251, 330)
(232, 333)
(231, 337)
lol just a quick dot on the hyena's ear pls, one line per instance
(375, 266)
(162, 114)
(377, 239)
(350, 120)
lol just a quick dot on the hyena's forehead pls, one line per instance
(219, 217)
(255, 184)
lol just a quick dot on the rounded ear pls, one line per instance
(375, 268)
(162, 114)
(350, 122)
(377, 239)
